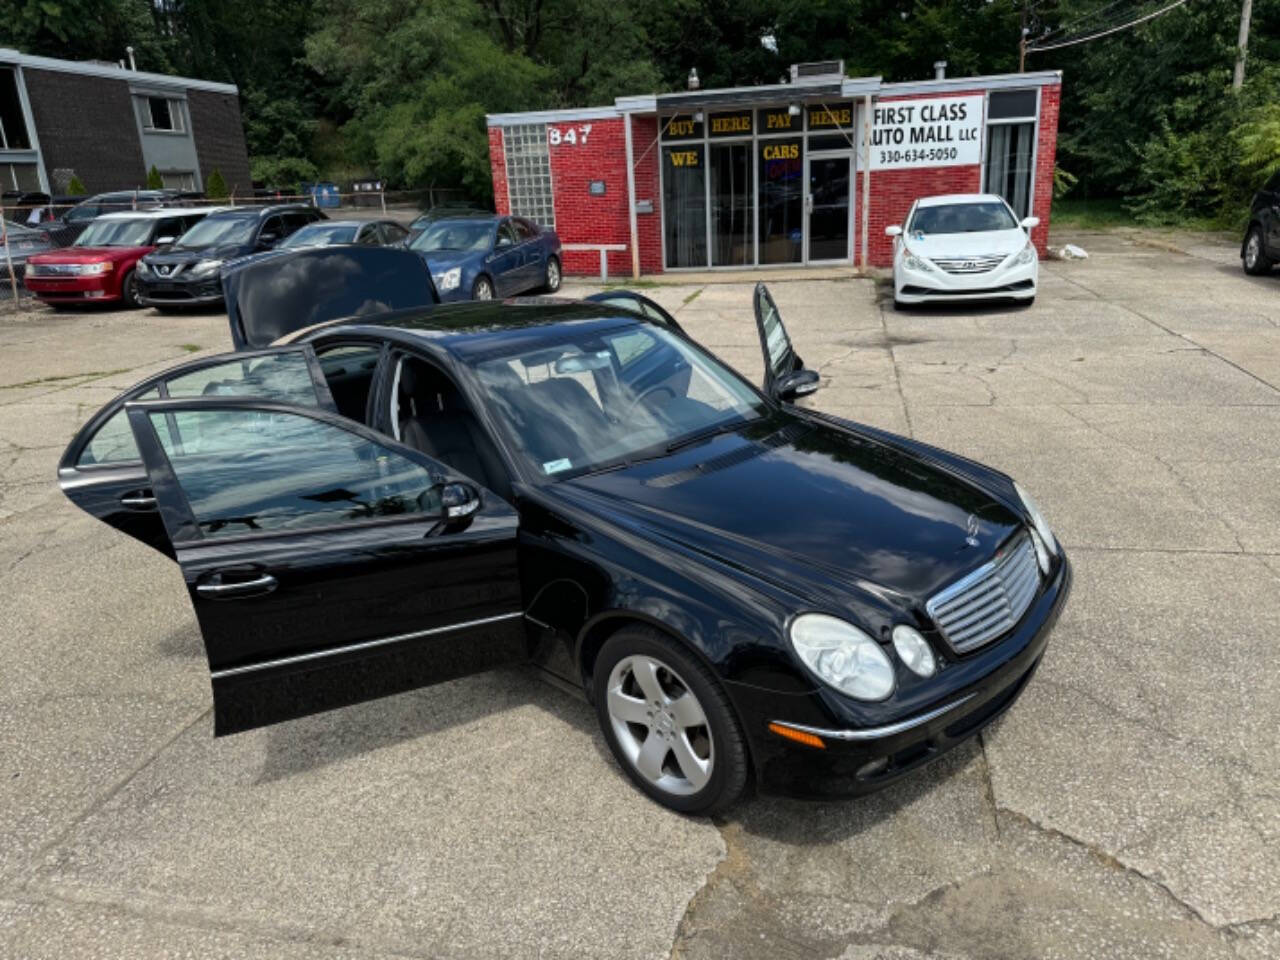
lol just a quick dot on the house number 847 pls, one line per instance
(569, 135)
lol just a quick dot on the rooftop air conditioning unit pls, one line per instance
(820, 68)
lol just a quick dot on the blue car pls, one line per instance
(479, 257)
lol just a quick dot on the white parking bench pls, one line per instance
(604, 249)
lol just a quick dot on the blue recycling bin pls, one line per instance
(324, 195)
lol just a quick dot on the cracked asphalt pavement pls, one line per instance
(1127, 806)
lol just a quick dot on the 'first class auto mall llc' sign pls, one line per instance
(942, 132)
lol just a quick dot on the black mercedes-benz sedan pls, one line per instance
(742, 588)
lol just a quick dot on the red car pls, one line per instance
(99, 266)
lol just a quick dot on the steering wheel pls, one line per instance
(656, 388)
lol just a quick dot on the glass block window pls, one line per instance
(529, 172)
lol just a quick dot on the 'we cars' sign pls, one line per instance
(942, 132)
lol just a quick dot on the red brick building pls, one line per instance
(806, 172)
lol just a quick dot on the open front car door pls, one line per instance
(327, 564)
(785, 377)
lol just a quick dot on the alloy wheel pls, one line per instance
(660, 726)
(553, 275)
(483, 290)
(1251, 251)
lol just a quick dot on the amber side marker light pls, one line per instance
(799, 736)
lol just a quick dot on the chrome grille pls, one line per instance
(969, 264)
(990, 601)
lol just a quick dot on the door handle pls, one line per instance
(139, 500)
(263, 584)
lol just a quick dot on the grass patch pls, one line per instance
(190, 347)
(640, 284)
(1094, 214)
(91, 375)
(691, 297)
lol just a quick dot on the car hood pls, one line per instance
(815, 509)
(89, 254)
(173, 254)
(953, 245)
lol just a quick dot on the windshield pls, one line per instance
(116, 233)
(320, 235)
(962, 218)
(471, 236)
(599, 399)
(215, 231)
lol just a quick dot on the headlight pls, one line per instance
(843, 656)
(918, 263)
(914, 650)
(1027, 255)
(143, 268)
(204, 268)
(1040, 529)
(449, 280)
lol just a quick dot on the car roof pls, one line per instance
(946, 198)
(342, 223)
(472, 330)
(258, 211)
(160, 213)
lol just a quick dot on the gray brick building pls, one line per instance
(110, 125)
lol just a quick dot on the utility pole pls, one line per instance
(1246, 13)
(1022, 38)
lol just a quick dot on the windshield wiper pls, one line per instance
(707, 434)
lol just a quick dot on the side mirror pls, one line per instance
(161, 241)
(893, 230)
(459, 502)
(1029, 222)
(502, 242)
(268, 240)
(798, 383)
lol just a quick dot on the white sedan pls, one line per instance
(963, 246)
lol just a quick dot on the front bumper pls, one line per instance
(154, 292)
(858, 761)
(91, 289)
(1016, 281)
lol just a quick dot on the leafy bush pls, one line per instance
(215, 188)
(154, 180)
(76, 187)
(283, 172)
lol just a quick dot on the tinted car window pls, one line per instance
(523, 230)
(114, 443)
(272, 227)
(214, 231)
(86, 211)
(393, 233)
(506, 235)
(295, 221)
(470, 236)
(285, 377)
(169, 227)
(244, 471)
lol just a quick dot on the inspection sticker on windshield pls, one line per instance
(555, 466)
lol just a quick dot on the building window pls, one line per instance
(13, 127)
(684, 204)
(178, 179)
(529, 173)
(162, 113)
(1011, 138)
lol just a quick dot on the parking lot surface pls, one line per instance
(1127, 806)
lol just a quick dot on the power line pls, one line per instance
(1107, 32)
(1072, 24)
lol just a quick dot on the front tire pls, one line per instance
(553, 275)
(129, 291)
(1256, 261)
(668, 722)
(482, 289)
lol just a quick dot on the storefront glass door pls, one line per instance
(829, 179)
(732, 199)
(781, 193)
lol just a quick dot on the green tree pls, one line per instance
(154, 180)
(76, 187)
(215, 188)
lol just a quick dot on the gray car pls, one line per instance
(23, 242)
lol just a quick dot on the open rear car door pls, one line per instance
(327, 564)
(102, 472)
